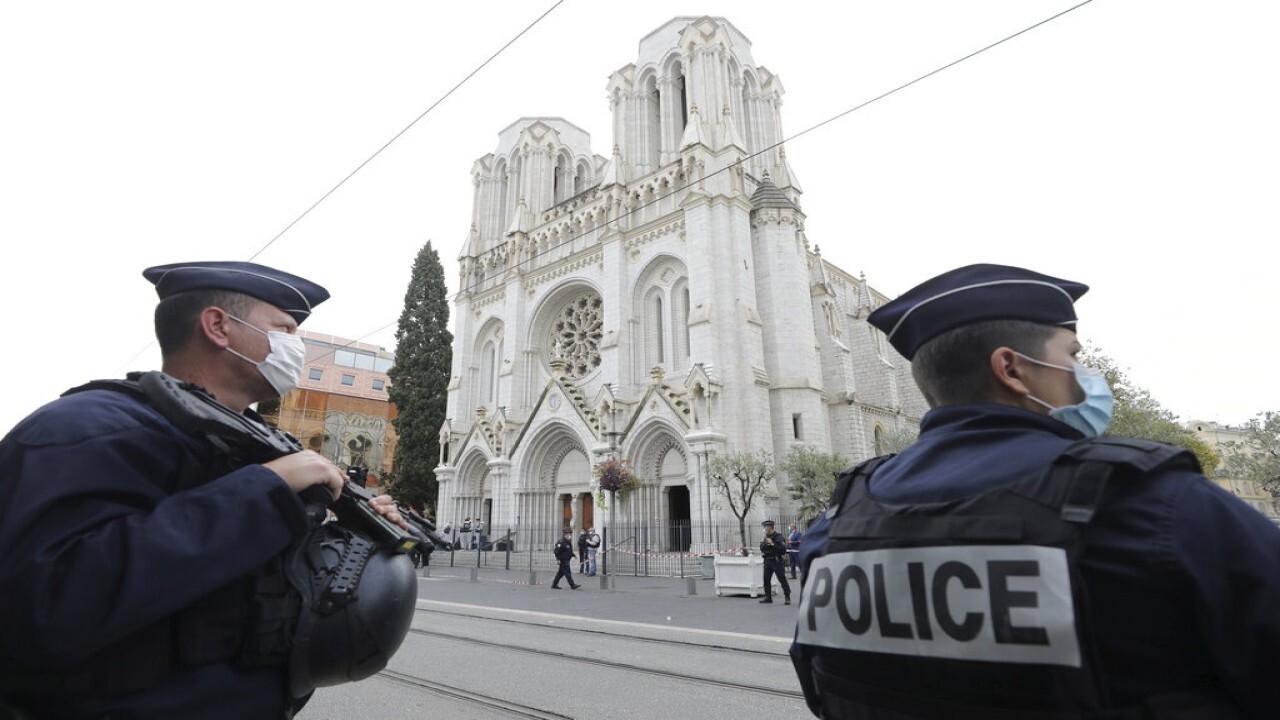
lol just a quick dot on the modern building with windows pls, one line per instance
(341, 408)
(661, 304)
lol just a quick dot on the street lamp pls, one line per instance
(612, 435)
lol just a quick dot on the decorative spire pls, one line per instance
(522, 221)
(693, 134)
(767, 195)
(731, 136)
(864, 296)
(471, 247)
(614, 171)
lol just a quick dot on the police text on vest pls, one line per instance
(1000, 603)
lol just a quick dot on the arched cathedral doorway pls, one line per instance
(661, 506)
(555, 492)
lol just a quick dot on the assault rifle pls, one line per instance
(192, 409)
(426, 527)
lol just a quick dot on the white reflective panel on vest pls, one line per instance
(1001, 603)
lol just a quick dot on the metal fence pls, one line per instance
(668, 549)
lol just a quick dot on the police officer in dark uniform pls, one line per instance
(131, 549)
(773, 548)
(564, 553)
(1007, 564)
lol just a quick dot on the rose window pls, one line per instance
(576, 333)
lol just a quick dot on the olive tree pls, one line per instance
(742, 479)
(811, 477)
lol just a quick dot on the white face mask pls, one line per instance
(283, 365)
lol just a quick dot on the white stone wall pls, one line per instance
(768, 333)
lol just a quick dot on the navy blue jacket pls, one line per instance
(111, 519)
(1183, 577)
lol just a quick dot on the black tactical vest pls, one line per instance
(333, 608)
(972, 608)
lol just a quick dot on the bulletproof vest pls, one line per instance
(334, 607)
(773, 546)
(563, 549)
(971, 608)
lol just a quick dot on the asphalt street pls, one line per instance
(495, 645)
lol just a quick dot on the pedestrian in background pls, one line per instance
(593, 547)
(793, 548)
(582, 553)
(774, 550)
(564, 553)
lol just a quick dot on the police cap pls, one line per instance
(973, 294)
(292, 294)
(767, 523)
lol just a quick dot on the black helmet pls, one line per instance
(358, 599)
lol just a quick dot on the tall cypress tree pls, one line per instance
(419, 381)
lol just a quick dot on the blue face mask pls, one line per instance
(1093, 415)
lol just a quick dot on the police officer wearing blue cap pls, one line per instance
(1011, 563)
(773, 550)
(135, 553)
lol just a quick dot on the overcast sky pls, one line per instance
(1130, 145)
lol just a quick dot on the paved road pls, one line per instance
(641, 648)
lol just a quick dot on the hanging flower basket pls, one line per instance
(613, 475)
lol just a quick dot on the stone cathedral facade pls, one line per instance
(661, 304)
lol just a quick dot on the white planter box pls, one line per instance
(739, 575)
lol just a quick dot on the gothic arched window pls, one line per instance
(504, 201)
(653, 124)
(489, 374)
(561, 183)
(680, 323)
(662, 303)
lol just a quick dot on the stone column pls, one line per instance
(445, 501)
(500, 480)
(703, 445)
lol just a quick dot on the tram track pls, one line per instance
(617, 665)
(611, 633)
(469, 696)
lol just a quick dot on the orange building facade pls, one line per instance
(341, 408)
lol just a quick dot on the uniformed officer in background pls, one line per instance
(965, 578)
(773, 548)
(563, 552)
(131, 548)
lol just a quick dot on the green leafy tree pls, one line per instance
(742, 479)
(419, 381)
(811, 477)
(1257, 456)
(1139, 415)
(895, 441)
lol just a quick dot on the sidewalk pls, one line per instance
(664, 601)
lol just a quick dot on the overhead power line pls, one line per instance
(406, 129)
(806, 131)
(681, 188)
(378, 152)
